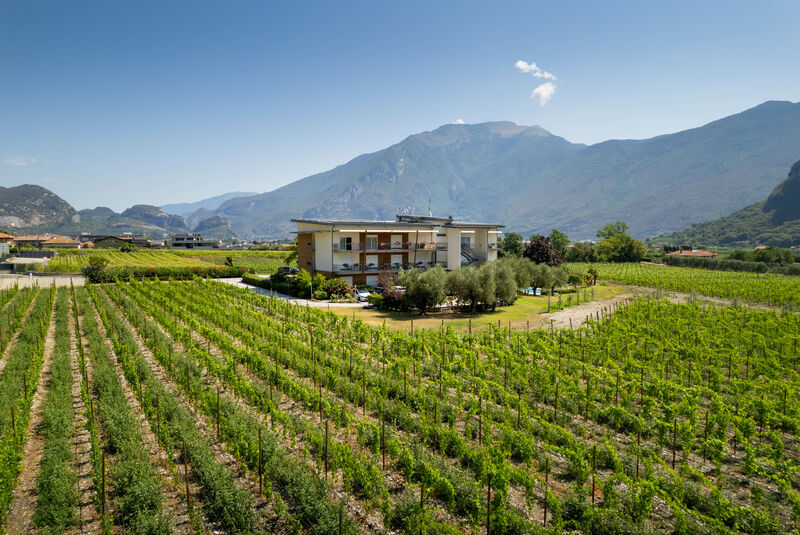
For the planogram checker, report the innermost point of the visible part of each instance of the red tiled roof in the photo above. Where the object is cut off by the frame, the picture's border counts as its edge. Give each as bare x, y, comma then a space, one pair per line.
694, 252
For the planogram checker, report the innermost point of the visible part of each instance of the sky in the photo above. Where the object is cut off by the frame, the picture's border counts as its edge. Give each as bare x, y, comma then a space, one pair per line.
112, 103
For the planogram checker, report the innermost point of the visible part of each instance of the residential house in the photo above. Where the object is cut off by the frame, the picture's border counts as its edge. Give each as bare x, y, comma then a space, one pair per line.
191, 241
61, 242
358, 251
112, 242
6, 238
694, 252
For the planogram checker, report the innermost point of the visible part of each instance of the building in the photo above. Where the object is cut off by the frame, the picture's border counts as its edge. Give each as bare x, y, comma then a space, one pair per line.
33, 240
358, 250
111, 242
694, 252
6, 238
191, 241
61, 242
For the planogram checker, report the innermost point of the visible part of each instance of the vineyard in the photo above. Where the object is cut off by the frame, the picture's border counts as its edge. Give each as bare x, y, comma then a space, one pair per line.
206, 408
252, 261
778, 290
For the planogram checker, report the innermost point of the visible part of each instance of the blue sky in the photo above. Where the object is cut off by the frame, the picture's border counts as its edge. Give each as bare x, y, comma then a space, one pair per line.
115, 103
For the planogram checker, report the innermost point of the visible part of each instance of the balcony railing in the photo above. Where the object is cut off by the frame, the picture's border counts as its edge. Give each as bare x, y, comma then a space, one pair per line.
375, 268
348, 248
396, 246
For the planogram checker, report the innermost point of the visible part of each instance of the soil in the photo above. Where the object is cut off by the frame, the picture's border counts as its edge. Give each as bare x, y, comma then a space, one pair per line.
24, 499
88, 517
174, 496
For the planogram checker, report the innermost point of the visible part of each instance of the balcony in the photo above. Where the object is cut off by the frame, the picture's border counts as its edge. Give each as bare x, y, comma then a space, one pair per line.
349, 248
349, 269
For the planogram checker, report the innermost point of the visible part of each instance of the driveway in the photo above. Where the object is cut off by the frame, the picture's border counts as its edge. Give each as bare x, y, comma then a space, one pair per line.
237, 281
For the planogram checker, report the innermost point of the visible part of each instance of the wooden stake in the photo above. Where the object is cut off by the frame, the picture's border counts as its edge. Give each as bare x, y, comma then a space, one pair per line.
103, 482
186, 476
260, 464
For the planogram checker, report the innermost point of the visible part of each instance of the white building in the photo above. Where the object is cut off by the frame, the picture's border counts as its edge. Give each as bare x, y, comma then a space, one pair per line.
358, 250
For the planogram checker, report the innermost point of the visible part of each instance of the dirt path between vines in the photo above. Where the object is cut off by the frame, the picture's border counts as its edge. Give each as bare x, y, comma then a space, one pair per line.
262, 507
24, 499
13, 339
174, 498
88, 517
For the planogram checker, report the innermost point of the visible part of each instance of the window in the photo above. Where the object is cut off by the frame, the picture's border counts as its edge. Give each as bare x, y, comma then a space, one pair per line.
372, 242
466, 242
345, 244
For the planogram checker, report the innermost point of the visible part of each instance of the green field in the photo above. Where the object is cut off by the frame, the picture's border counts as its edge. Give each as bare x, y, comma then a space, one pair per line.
253, 261
752, 287
525, 312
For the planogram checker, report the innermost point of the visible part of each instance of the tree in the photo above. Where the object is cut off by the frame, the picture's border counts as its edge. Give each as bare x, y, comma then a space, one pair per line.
559, 241
465, 284
511, 245
581, 252
541, 251
128, 248
611, 229
621, 247
95, 269
424, 289
506, 287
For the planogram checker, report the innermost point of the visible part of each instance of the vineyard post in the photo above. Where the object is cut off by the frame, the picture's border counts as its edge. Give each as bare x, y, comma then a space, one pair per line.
186, 476
638, 438
546, 486
383, 437
616, 391
555, 407
412, 327
594, 463
674, 432
519, 406
705, 436
488, 503
326, 449
158, 417
103, 482
14, 424
217, 413
480, 420
783, 421
260, 463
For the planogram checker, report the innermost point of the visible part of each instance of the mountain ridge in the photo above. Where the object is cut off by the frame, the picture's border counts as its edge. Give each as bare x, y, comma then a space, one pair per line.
532, 180
771, 221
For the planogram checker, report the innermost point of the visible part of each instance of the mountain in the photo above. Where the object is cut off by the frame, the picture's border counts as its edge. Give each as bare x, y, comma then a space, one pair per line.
34, 209
773, 221
154, 216
533, 181
27, 207
184, 209
216, 227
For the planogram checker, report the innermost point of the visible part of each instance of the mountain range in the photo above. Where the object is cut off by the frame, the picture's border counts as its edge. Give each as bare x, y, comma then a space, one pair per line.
772, 221
533, 181
33, 209
521, 176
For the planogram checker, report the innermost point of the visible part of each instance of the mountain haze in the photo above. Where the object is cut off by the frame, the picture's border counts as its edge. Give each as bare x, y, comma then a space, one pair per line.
185, 209
533, 181
773, 221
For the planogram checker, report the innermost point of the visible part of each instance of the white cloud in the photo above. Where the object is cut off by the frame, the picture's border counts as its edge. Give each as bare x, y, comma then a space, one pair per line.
18, 161
459, 121
544, 92
534, 70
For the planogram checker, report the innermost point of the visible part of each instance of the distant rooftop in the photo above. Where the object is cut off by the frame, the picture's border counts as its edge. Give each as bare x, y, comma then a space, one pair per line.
403, 220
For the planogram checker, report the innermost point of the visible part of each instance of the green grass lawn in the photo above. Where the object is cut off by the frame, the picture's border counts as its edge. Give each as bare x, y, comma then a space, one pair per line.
526, 311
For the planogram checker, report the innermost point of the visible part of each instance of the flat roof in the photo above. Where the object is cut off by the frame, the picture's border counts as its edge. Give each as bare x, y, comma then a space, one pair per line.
403, 222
